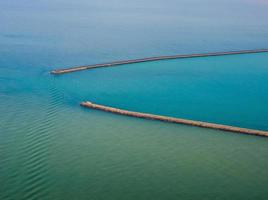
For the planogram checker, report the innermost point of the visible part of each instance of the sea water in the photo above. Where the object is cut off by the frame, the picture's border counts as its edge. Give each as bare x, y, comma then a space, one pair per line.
51, 148
230, 90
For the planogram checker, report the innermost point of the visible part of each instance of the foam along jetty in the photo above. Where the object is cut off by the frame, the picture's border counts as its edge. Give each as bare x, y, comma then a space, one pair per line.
79, 68
175, 120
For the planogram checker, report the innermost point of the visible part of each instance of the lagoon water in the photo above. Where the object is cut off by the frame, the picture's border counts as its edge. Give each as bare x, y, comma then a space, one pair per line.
229, 90
51, 148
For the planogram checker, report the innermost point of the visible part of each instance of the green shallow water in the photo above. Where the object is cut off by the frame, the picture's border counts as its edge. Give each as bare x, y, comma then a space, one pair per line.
51, 148
64, 152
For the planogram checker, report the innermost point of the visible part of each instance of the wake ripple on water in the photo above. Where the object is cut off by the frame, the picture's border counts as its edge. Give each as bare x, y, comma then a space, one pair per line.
34, 134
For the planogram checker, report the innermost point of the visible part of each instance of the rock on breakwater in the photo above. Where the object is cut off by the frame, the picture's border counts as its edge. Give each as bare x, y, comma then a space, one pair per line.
175, 120
116, 63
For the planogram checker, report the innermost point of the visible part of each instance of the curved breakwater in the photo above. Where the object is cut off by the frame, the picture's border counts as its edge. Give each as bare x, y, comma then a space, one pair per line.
79, 68
175, 120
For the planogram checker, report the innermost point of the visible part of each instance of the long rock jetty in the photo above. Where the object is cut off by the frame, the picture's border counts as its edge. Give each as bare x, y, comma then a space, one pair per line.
79, 68
175, 120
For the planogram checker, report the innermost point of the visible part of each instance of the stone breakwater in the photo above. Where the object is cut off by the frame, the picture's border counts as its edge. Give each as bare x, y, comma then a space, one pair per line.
175, 120
79, 68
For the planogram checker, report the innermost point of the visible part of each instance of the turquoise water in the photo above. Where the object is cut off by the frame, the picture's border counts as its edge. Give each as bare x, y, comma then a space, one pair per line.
229, 90
51, 148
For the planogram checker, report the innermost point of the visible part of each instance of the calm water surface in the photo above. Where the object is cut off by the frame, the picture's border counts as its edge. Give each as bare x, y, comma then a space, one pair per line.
51, 148
229, 90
